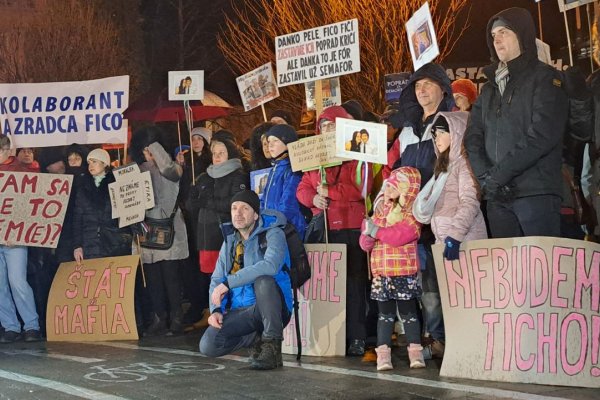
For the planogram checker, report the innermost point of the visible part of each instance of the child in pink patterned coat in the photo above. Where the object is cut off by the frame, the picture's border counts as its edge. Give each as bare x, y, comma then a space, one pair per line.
391, 236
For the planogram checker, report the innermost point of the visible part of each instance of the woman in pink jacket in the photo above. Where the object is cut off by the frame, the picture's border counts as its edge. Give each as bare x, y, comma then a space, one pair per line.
450, 200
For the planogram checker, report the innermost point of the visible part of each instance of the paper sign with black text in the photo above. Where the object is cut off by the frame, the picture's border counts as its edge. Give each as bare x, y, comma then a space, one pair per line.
318, 53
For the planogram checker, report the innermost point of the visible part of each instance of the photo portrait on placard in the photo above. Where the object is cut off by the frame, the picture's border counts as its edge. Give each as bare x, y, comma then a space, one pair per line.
330, 91
421, 37
360, 140
186, 85
258, 181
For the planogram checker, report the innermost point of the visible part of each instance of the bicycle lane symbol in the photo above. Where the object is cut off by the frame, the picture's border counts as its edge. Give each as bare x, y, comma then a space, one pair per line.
140, 371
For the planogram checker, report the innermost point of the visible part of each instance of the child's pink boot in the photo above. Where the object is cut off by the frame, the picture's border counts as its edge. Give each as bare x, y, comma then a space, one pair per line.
384, 358
415, 355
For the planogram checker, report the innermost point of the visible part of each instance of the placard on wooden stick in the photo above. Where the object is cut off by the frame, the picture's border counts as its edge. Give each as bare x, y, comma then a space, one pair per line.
361, 140
257, 87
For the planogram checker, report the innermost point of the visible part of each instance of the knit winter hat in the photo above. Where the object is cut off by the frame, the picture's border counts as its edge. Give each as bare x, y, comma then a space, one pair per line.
232, 148
99, 155
204, 132
465, 87
249, 197
501, 22
286, 133
223, 134
285, 115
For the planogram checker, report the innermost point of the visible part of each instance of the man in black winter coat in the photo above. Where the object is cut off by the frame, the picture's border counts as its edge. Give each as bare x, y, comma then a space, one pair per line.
514, 137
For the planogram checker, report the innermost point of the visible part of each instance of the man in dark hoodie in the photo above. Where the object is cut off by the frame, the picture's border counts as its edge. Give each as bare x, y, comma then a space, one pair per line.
514, 137
427, 92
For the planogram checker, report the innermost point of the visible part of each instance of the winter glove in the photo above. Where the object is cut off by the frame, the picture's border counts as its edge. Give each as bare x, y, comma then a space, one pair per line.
451, 250
505, 194
369, 228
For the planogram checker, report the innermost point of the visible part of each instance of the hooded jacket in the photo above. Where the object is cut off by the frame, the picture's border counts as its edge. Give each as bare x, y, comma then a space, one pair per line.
395, 247
280, 194
457, 212
345, 185
414, 147
257, 262
516, 138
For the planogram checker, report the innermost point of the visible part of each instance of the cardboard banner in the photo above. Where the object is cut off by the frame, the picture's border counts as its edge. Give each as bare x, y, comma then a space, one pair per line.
421, 37
394, 83
318, 53
94, 301
522, 310
331, 93
257, 87
186, 85
313, 152
33, 207
360, 140
131, 194
62, 113
322, 309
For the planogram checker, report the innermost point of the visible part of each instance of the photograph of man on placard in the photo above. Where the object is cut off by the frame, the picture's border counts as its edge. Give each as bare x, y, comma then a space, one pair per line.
421, 37
565, 5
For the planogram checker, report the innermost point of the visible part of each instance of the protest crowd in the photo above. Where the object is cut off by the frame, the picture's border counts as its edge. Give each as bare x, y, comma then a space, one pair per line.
510, 161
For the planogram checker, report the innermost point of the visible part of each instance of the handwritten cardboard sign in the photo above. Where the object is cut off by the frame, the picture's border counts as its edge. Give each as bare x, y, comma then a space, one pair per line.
322, 309
313, 152
257, 87
94, 301
522, 310
32, 207
318, 53
131, 194
61, 113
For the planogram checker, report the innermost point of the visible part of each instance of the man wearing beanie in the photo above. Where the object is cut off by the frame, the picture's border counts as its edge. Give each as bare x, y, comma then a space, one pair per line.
282, 183
251, 284
514, 137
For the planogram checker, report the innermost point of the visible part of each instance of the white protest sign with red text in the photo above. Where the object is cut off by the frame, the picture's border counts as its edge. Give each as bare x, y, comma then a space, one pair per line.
93, 301
522, 310
322, 309
32, 207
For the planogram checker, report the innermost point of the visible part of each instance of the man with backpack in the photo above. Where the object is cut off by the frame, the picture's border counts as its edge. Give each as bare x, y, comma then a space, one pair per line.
250, 291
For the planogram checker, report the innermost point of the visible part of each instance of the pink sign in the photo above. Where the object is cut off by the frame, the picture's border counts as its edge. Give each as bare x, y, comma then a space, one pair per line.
522, 310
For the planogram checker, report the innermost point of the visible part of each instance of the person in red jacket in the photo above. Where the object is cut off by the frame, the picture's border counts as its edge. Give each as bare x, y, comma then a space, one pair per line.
342, 195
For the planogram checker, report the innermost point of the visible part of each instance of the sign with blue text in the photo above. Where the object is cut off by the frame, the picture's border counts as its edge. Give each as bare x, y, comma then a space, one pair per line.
62, 113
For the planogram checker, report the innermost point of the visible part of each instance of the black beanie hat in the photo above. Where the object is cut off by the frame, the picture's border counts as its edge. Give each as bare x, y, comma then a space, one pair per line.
232, 148
223, 134
440, 123
249, 197
286, 133
49, 156
285, 115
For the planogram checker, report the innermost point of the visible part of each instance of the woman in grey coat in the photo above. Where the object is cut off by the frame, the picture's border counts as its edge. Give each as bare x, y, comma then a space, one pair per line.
162, 266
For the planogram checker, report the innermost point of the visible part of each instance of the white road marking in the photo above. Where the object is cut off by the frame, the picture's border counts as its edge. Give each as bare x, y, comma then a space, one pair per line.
486, 391
41, 353
59, 386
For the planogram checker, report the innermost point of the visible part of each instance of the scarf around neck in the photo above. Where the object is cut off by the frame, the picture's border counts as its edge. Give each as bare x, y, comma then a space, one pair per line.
223, 169
427, 198
98, 179
502, 76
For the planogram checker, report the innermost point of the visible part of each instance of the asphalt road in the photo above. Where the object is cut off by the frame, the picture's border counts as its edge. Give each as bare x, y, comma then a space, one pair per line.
172, 368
